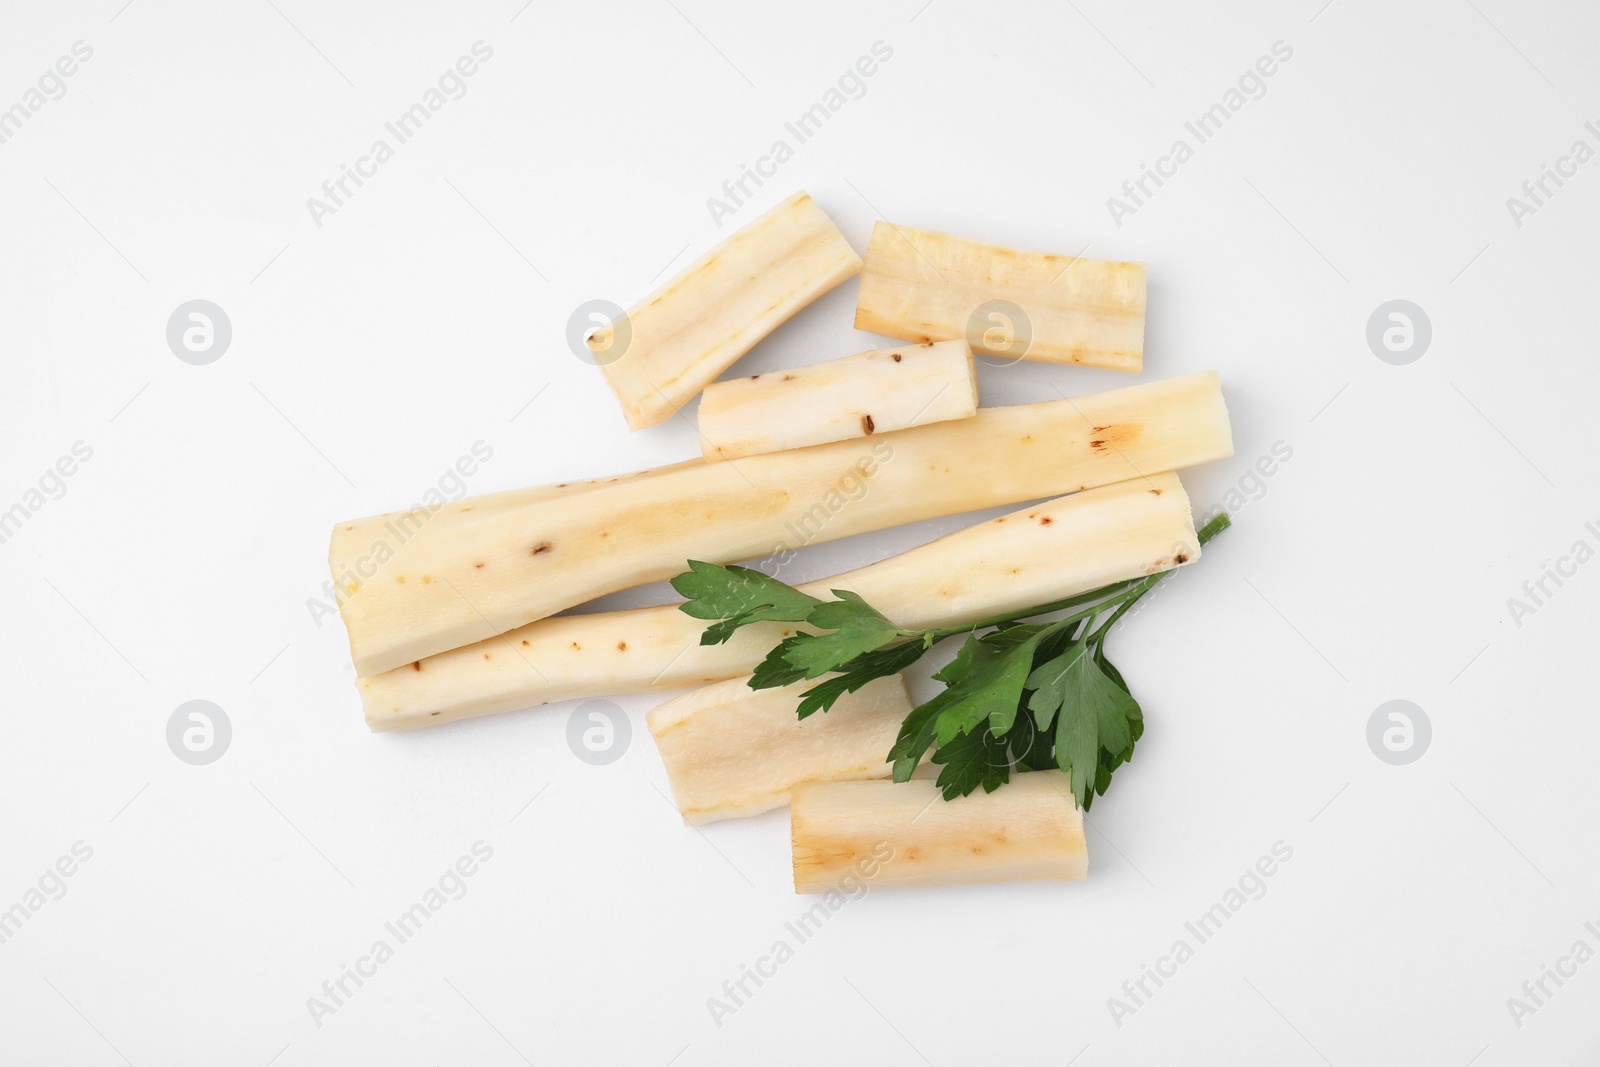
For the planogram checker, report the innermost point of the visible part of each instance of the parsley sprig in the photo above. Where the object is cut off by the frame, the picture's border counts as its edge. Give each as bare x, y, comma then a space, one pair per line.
1029, 695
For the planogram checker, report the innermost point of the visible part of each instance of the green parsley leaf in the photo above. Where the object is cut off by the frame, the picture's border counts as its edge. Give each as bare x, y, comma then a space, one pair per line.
737, 596
719, 632
917, 734
1092, 714
991, 687
857, 628
959, 667
1017, 633
972, 759
1105, 665
775, 670
858, 672
1034, 748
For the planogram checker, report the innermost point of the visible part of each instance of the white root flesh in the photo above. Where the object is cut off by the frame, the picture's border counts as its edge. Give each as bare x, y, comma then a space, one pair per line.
920, 285
879, 391
677, 340
903, 834
362, 549
732, 751
1042, 553
463, 578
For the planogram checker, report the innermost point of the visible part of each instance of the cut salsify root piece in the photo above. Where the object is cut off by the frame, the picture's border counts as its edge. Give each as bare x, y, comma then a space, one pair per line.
1041, 553
921, 285
902, 834
461, 578
676, 341
870, 392
360, 548
732, 751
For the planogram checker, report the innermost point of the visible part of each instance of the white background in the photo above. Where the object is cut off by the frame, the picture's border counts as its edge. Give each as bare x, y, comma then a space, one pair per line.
429, 313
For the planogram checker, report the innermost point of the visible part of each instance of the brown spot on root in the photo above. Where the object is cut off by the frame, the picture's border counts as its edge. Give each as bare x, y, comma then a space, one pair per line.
753, 377
1154, 492
526, 642
416, 665
479, 566
622, 646
1180, 558
561, 485
896, 357
1112, 436
464, 511
867, 424
542, 546
1045, 520
348, 528
487, 656
604, 534
788, 377
577, 647
426, 580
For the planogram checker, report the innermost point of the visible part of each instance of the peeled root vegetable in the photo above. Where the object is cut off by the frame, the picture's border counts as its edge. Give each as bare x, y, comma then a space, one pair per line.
732, 751
360, 548
461, 579
921, 285
683, 335
1028, 830
872, 392
1056, 549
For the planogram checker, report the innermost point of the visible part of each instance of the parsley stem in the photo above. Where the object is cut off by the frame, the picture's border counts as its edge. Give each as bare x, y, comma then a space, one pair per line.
1041, 609
1124, 594
1218, 523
